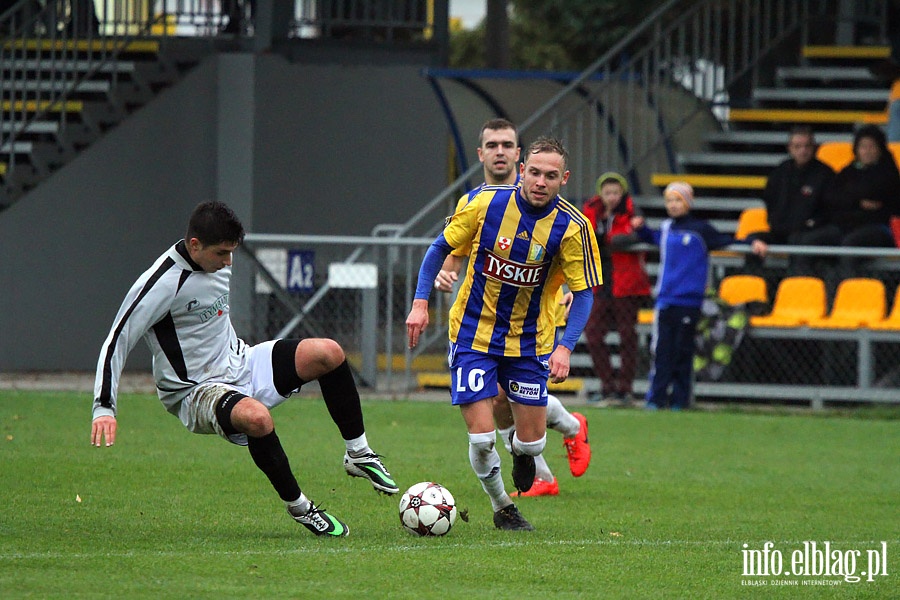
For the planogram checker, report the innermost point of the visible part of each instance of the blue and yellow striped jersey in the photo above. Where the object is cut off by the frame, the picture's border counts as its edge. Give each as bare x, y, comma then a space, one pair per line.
520, 257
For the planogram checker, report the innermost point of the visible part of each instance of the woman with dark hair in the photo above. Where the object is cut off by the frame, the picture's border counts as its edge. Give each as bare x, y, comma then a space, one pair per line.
865, 195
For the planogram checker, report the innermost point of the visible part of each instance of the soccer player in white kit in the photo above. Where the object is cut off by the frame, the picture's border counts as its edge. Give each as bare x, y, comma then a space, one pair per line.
213, 381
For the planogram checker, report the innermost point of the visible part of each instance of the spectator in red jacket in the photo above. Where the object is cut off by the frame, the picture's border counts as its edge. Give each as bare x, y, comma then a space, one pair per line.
625, 288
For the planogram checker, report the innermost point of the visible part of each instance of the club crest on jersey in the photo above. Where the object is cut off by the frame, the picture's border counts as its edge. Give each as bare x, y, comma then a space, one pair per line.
504, 243
512, 272
536, 252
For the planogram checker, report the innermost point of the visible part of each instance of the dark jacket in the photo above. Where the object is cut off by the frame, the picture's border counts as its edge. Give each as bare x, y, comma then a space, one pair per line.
795, 199
880, 182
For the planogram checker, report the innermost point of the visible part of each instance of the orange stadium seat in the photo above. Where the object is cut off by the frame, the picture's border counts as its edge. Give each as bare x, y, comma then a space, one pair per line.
859, 302
798, 300
836, 155
752, 220
892, 322
741, 289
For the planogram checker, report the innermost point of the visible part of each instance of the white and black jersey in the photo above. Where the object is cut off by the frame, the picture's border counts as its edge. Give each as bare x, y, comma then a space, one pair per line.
182, 312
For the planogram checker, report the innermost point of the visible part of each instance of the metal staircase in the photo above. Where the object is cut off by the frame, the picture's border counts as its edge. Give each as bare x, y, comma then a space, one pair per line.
61, 90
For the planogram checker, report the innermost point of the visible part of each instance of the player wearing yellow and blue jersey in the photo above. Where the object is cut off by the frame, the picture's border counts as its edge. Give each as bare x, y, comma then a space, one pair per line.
498, 152
525, 243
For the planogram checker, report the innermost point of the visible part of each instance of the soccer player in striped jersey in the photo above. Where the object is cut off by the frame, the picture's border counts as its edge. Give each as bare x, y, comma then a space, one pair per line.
498, 151
525, 243
215, 383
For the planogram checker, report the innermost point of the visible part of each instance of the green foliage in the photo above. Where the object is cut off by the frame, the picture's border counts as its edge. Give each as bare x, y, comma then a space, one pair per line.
555, 35
662, 512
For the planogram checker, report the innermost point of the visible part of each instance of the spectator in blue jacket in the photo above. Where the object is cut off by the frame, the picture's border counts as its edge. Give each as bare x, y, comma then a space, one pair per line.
684, 242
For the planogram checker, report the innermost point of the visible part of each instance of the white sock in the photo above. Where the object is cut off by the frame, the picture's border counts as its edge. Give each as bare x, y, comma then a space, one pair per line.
300, 506
486, 463
559, 419
530, 448
358, 446
541, 469
504, 435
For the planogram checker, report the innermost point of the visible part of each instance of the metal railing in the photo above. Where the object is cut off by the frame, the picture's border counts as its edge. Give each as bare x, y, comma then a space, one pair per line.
368, 300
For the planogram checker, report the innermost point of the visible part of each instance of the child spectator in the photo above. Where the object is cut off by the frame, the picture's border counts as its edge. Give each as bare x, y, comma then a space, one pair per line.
625, 286
684, 242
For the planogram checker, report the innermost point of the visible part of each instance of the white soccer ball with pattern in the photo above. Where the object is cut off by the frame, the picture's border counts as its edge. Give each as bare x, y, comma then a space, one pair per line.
427, 508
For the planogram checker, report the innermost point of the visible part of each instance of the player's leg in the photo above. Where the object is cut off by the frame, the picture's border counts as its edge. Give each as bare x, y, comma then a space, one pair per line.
574, 429
545, 483
472, 376
236, 413
323, 360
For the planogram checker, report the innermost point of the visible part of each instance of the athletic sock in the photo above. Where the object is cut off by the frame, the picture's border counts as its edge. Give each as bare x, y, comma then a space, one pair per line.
559, 419
342, 399
541, 469
357, 446
486, 463
504, 436
300, 506
269, 456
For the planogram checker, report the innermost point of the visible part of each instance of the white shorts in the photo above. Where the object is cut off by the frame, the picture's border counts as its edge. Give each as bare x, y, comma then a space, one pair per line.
198, 409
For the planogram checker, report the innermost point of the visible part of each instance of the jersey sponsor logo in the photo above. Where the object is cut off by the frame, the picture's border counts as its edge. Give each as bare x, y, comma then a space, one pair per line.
192, 304
512, 272
504, 243
217, 309
523, 235
530, 391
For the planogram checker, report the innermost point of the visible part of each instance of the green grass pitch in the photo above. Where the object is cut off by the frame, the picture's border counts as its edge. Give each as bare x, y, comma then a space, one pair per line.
664, 511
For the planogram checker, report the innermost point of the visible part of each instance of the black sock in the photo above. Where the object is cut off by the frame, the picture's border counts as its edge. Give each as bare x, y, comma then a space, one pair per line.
342, 399
269, 456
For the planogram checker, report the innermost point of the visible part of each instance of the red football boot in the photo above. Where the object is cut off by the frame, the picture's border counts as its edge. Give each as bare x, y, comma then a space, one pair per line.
578, 448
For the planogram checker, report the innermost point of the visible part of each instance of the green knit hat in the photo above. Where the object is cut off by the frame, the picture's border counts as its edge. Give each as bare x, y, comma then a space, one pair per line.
612, 176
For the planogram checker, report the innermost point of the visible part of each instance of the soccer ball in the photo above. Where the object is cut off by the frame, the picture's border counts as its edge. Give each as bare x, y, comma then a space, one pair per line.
427, 508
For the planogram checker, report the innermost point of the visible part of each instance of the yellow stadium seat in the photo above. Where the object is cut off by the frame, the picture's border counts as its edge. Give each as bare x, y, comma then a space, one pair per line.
859, 302
740, 289
798, 300
836, 155
894, 147
892, 322
752, 220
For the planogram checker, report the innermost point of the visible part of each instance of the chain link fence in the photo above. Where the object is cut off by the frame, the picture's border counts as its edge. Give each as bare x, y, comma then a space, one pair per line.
358, 291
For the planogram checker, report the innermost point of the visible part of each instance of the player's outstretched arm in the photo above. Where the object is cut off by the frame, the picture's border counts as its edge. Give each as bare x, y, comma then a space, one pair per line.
103, 428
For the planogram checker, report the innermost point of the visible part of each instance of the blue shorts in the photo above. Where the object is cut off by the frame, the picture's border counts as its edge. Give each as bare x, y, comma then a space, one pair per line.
475, 375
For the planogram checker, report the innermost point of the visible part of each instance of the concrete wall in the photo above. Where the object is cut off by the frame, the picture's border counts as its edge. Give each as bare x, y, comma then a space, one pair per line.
293, 148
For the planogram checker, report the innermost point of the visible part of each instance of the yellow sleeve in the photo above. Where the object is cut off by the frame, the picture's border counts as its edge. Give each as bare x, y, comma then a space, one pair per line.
461, 204
462, 227
580, 257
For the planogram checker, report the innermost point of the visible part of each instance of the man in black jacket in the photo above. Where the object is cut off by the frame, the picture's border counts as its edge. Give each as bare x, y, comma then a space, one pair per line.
794, 197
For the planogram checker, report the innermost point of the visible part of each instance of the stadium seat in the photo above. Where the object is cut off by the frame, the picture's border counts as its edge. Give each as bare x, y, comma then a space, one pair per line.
859, 302
836, 155
797, 301
741, 289
892, 322
895, 150
752, 220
